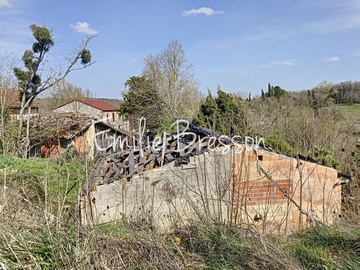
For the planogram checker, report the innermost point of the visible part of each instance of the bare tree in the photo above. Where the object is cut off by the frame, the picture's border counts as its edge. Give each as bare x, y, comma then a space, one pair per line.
173, 79
62, 93
7, 81
31, 80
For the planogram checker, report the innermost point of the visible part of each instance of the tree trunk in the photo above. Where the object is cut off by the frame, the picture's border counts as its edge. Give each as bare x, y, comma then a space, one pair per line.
21, 115
27, 143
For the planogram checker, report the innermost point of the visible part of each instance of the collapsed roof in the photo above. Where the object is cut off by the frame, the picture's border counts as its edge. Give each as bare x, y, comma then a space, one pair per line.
55, 125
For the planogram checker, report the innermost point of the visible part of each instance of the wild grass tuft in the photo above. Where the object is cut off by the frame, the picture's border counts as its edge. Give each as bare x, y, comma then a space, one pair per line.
323, 247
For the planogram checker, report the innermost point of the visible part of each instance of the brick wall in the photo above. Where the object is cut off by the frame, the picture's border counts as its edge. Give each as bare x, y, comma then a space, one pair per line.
277, 207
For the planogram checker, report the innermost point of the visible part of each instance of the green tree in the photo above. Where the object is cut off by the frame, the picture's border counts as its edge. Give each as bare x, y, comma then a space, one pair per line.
262, 94
324, 94
225, 113
270, 92
208, 114
30, 81
276, 92
279, 92
277, 141
325, 156
140, 99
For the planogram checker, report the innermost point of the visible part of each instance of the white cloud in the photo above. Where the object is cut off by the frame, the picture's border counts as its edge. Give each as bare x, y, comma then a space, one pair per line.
83, 27
332, 59
203, 10
5, 3
288, 63
279, 63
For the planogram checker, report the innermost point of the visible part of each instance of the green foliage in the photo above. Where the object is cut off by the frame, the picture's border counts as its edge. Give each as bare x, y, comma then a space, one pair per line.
270, 92
85, 56
262, 94
276, 92
29, 80
325, 156
141, 100
322, 95
23, 77
277, 141
323, 247
44, 40
208, 114
224, 113
31, 174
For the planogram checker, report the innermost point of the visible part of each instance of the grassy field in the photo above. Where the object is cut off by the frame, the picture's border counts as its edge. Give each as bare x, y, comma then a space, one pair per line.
353, 109
353, 112
39, 231
56, 176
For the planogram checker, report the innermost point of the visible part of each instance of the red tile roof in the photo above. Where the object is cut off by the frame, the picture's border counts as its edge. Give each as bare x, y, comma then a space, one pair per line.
99, 104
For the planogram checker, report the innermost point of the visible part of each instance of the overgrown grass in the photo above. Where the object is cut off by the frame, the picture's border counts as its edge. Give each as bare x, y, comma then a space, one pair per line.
56, 176
38, 236
121, 246
325, 248
354, 108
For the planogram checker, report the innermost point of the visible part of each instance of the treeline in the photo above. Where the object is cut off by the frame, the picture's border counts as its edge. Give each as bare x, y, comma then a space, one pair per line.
307, 122
347, 92
341, 93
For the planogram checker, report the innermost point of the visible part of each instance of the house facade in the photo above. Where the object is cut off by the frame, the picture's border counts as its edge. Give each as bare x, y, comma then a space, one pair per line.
11, 100
97, 109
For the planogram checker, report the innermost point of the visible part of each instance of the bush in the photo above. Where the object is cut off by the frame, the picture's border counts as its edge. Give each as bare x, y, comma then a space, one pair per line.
325, 156
278, 142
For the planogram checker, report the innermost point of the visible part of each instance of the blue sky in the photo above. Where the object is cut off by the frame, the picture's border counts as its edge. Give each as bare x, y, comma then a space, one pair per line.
240, 45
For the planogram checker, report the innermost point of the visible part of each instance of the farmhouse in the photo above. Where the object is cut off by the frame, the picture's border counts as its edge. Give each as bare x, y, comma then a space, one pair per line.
11, 100
96, 109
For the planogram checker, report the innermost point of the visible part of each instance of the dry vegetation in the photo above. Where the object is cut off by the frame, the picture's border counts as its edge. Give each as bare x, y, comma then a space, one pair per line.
39, 230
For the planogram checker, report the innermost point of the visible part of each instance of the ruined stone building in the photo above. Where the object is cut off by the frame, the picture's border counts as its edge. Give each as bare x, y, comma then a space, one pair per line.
74, 126
237, 184
57, 133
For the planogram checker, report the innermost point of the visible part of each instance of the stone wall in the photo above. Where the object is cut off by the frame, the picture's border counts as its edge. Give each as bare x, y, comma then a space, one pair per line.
78, 107
166, 196
223, 188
